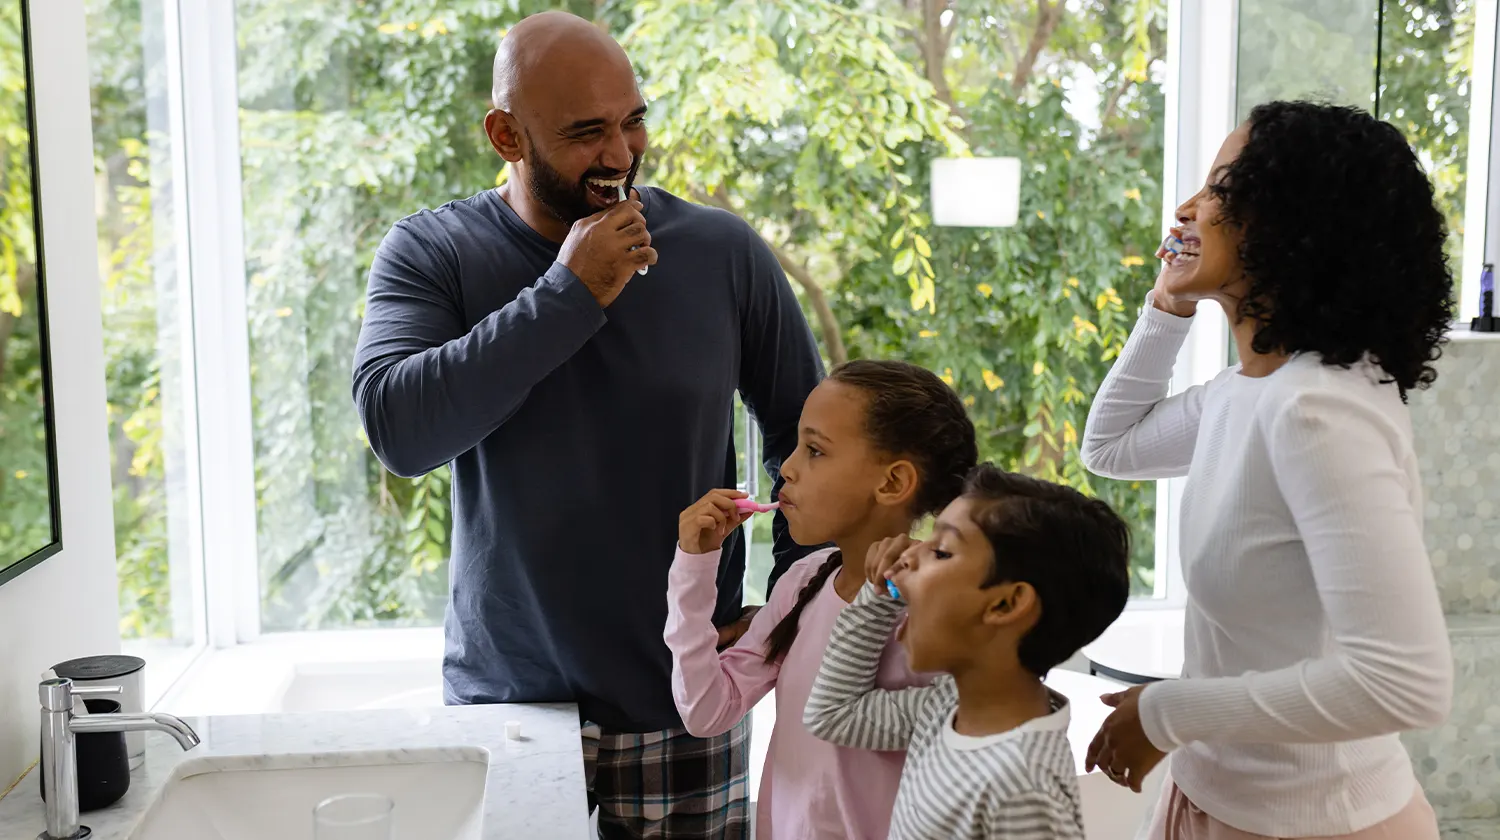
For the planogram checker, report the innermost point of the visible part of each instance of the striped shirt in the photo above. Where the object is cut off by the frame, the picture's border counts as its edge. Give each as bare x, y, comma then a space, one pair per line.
1017, 785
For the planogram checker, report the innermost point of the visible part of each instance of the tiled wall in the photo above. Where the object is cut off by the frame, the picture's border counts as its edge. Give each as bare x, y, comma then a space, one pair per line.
1457, 425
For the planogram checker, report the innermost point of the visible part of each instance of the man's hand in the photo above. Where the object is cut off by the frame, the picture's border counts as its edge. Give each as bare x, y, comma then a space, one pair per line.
598, 249
731, 633
704, 526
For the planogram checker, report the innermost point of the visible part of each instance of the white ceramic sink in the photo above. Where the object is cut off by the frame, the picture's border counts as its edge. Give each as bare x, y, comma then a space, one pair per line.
438, 794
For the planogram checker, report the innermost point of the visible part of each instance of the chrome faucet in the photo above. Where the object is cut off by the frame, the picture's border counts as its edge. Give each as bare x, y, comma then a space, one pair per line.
60, 725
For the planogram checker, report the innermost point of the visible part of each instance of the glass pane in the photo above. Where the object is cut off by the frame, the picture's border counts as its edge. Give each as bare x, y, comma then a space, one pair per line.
758, 558
348, 122
1427, 51
1294, 49
351, 120
147, 325
28, 514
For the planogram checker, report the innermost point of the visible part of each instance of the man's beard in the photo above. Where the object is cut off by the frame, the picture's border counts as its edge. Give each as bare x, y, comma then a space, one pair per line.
566, 200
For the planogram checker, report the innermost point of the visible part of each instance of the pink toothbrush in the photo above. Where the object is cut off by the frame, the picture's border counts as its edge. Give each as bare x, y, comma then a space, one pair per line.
752, 506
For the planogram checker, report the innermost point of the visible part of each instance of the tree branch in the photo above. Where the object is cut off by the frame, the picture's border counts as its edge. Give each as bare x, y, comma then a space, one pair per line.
1113, 104
1048, 15
833, 337
817, 298
933, 45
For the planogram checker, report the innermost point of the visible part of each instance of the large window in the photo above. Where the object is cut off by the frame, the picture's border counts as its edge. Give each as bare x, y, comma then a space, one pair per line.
148, 335
354, 117
1408, 61
817, 123
1290, 49
351, 117
1411, 62
1426, 83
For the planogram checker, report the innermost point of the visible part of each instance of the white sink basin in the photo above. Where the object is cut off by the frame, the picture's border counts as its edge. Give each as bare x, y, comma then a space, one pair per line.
438, 794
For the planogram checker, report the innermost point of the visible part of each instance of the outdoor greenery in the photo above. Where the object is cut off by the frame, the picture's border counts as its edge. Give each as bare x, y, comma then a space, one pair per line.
1427, 55
25, 494
1329, 50
816, 120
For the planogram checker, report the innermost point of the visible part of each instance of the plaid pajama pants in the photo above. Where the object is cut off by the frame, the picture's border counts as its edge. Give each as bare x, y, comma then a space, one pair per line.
669, 785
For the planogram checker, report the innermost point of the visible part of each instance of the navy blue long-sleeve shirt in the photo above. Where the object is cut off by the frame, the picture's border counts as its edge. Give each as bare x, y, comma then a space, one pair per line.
576, 435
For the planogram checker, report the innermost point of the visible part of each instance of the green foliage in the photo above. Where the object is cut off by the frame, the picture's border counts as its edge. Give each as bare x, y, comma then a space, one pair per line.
1292, 49
1427, 54
25, 497
815, 120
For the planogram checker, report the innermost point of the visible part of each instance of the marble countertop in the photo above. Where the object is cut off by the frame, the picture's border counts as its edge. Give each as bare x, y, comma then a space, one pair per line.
534, 786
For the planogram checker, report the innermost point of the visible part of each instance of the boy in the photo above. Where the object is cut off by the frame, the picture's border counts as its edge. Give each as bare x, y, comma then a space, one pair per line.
1017, 576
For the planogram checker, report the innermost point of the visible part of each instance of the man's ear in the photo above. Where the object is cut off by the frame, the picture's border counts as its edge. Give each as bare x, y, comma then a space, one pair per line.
504, 134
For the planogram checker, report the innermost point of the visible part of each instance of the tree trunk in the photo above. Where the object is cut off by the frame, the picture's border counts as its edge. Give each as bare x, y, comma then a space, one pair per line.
1048, 15
934, 48
1113, 104
833, 337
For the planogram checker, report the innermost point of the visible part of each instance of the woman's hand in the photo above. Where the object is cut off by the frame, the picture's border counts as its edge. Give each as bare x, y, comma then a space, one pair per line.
884, 555
1163, 299
703, 526
1121, 748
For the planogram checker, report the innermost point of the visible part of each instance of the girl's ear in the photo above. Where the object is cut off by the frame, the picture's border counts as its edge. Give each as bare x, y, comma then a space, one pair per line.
899, 484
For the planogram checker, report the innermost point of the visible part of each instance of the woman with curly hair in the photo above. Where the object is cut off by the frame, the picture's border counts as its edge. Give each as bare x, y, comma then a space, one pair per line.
1314, 630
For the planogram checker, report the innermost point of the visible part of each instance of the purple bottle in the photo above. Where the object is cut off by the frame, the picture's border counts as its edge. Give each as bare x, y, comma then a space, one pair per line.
1486, 322
1487, 291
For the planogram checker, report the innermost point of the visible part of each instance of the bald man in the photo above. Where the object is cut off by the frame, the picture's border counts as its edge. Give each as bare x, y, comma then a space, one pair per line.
582, 406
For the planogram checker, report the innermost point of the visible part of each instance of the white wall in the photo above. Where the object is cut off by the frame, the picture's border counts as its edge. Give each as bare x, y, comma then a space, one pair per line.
66, 606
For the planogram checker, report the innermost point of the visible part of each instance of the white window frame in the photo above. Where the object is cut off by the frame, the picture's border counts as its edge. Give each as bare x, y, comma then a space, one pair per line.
1200, 89
210, 91
164, 672
1482, 204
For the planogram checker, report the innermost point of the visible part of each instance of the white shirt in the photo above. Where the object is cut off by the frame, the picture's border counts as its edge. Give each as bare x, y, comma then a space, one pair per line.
1314, 632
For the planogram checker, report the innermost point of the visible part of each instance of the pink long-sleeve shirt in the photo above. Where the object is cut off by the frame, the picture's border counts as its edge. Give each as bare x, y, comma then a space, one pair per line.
810, 789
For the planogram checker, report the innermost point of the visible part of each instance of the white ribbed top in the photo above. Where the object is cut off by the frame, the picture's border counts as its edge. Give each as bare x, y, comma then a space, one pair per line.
1314, 632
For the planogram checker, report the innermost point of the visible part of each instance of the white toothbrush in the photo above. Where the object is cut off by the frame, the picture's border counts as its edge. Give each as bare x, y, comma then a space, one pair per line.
642, 270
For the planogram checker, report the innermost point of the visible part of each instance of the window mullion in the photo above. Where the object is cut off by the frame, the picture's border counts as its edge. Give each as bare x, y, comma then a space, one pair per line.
216, 227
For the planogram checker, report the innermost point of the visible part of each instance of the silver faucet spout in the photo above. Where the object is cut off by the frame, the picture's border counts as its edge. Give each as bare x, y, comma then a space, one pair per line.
60, 725
186, 737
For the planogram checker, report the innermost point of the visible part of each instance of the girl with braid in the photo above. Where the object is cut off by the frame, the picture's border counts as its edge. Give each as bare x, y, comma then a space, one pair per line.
880, 446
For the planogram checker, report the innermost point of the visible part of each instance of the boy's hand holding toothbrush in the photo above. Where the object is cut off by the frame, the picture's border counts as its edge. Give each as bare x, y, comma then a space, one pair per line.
883, 559
607, 248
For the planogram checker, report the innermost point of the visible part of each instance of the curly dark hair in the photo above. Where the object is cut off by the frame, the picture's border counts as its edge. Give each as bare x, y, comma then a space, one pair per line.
909, 413
1343, 246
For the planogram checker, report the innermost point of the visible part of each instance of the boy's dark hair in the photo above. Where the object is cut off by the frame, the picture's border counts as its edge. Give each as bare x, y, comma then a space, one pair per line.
1073, 550
911, 414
